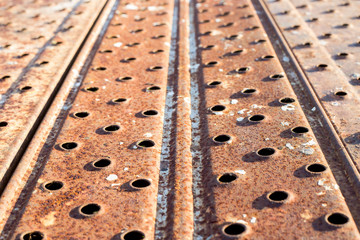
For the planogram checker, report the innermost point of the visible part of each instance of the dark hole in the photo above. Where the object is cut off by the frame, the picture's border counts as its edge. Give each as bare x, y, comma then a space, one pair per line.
276, 76
111, 128
338, 219
100, 68
300, 130
327, 35
207, 33
69, 145
232, 37
150, 113
133, 44
44, 62
106, 51
205, 21
209, 47
260, 41
140, 183
125, 78
3, 124
102, 163
222, 138
146, 143
314, 19
307, 44
345, 25
159, 36
54, 185
248, 16
90, 209
156, 68
25, 88
267, 57
237, 51
129, 59
287, 100
153, 88
257, 118
253, 27
235, 229
33, 236
214, 83
157, 51
243, 69
341, 93
278, 196
218, 108
81, 114
119, 100
316, 168
213, 63
322, 66
249, 91
134, 235
266, 152
92, 89
5, 77
227, 178
343, 54
243, 6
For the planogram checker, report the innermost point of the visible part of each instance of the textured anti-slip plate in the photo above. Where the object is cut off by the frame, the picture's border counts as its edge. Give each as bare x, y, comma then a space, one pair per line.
39, 40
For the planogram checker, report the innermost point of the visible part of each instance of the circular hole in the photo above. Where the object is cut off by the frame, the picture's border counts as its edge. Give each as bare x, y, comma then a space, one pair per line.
150, 113
159, 36
100, 68
341, 93
278, 196
207, 33
81, 114
69, 145
153, 88
129, 59
265, 152
237, 51
208, 47
313, 19
140, 183
119, 100
133, 44
25, 88
154, 68
53, 186
248, 16
124, 78
267, 57
145, 144
337, 219
222, 138
134, 235
105, 51
205, 21
234, 229
256, 118
307, 44
243, 69
157, 51
345, 25
300, 130
315, 168
214, 83
286, 100
91, 89
227, 178
218, 108
211, 64
253, 28
102, 163
36, 235
3, 124
111, 128
248, 91
322, 66
343, 54
260, 41
232, 37
90, 209
326, 35
276, 76
4, 77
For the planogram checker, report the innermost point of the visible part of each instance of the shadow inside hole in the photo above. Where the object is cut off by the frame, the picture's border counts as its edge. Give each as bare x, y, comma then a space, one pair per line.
320, 225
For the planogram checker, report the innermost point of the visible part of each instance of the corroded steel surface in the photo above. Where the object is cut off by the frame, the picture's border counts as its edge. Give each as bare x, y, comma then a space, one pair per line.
233, 183
332, 76
123, 93
41, 40
175, 121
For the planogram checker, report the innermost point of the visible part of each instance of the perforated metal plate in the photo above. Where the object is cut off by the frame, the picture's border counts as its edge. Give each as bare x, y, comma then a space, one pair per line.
40, 39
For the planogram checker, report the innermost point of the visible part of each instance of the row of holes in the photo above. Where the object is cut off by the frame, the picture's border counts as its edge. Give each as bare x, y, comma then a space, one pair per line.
276, 197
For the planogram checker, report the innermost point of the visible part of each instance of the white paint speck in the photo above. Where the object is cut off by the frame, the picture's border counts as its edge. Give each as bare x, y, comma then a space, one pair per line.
112, 177
240, 171
309, 143
313, 109
285, 123
288, 107
147, 135
307, 151
118, 44
242, 111
125, 169
239, 119
131, 7
234, 101
289, 146
286, 59
253, 220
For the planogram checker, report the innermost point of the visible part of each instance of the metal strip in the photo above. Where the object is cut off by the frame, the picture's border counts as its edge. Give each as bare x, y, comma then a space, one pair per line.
127, 204
247, 191
34, 78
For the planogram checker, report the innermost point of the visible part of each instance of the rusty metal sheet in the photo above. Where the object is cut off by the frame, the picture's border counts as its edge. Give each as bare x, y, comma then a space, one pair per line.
330, 76
40, 39
258, 171
97, 170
